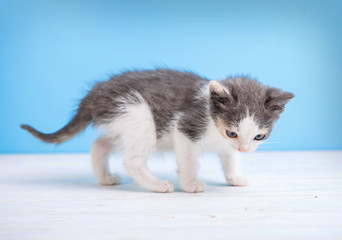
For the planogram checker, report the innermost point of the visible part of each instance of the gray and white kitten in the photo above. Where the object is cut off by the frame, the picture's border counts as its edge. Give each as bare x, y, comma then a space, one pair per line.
143, 111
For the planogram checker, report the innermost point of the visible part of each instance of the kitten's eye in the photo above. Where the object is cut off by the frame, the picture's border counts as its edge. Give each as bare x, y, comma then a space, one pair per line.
231, 134
259, 137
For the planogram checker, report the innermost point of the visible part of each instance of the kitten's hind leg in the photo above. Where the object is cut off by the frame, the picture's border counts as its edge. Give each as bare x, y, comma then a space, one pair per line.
138, 137
100, 153
138, 145
187, 160
135, 163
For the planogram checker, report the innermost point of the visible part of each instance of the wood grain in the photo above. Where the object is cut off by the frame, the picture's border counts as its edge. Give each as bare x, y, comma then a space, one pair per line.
294, 195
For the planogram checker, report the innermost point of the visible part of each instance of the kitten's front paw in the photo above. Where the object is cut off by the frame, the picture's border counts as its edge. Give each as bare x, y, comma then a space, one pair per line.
194, 186
238, 180
109, 180
164, 187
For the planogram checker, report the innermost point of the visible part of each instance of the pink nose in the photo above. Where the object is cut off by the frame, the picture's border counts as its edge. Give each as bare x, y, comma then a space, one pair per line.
243, 149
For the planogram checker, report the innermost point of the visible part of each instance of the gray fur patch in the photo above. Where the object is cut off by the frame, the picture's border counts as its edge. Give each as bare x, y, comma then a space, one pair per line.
169, 94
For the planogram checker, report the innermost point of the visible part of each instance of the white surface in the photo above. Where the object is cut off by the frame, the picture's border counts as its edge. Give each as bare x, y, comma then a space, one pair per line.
294, 195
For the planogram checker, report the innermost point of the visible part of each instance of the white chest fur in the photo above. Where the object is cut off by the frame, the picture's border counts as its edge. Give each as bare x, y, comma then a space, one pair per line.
210, 141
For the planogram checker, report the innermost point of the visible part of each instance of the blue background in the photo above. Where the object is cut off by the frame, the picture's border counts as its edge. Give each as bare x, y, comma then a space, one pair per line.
51, 51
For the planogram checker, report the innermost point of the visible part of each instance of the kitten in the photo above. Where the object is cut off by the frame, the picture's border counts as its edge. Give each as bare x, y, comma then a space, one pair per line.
142, 111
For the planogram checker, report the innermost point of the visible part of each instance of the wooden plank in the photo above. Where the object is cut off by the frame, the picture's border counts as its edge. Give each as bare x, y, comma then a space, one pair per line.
294, 195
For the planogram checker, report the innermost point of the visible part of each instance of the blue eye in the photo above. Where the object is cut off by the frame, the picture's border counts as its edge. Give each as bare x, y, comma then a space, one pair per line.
231, 134
259, 137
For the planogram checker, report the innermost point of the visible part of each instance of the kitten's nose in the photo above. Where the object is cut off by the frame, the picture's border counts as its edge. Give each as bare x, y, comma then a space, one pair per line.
243, 148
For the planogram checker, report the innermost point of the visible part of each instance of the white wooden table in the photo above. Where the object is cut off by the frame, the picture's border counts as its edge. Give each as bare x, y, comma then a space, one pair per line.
294, 195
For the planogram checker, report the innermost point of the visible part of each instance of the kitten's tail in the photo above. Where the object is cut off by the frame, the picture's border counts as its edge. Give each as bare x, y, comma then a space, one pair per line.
80, 121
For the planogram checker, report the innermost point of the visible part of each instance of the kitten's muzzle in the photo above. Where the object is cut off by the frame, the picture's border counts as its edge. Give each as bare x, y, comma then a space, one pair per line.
245, 148
241, 149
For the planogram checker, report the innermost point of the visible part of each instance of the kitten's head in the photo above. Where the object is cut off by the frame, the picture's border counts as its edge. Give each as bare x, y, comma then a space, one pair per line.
245, 111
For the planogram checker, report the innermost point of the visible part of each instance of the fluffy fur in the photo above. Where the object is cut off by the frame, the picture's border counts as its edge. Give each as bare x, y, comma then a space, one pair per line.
143, 111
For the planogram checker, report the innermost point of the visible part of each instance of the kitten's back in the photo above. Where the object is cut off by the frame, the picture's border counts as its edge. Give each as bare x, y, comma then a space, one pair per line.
167, 92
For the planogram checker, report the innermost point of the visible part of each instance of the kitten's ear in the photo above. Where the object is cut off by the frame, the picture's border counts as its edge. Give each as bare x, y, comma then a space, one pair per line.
276, 100
217, 87
220, 95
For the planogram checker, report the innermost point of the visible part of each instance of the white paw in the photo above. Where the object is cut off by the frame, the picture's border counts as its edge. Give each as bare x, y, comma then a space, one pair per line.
109, 180
238, 180
164, 187
193, 186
